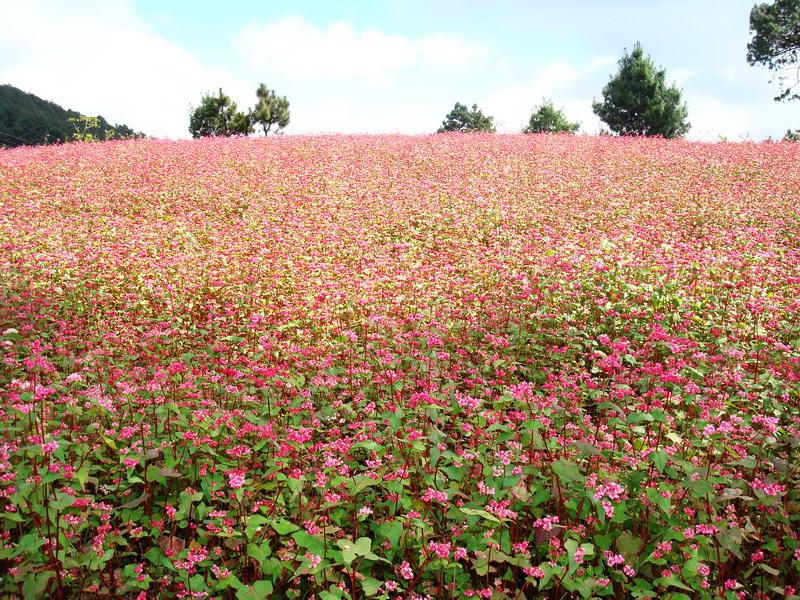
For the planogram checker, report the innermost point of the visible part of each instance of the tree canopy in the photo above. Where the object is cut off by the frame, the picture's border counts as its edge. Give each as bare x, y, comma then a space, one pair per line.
218, 115
637, 101
462, 118
776, 43
549, 119
270, 110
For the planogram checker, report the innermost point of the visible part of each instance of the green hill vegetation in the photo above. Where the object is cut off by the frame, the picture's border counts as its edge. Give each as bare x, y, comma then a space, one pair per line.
26, 119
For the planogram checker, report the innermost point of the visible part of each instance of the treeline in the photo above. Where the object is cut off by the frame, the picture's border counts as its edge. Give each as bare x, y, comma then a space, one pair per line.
27, 119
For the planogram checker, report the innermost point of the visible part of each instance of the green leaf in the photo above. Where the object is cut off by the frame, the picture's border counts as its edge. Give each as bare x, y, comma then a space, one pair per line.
480, 513
260, 552
363, 546
391, 530
258, 591
359, 483
82, 475
35, 584
629, 545
62, 501
639, 417
700, 487
348, 550
659, 458
309, 542
567, 471
768, 569
28, 543
672, 581
656, 498
283, 527
254, 522
371, 586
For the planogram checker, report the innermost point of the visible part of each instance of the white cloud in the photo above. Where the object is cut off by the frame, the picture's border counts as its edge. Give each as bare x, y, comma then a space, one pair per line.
511, 106
299, 48
99, 58
600, 62
679, 76
712, 118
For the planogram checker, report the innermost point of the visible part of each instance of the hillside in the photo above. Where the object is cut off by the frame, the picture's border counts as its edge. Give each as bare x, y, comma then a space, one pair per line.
26, 119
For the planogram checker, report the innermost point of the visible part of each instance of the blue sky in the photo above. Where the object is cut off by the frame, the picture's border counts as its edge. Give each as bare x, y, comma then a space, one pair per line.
384, 66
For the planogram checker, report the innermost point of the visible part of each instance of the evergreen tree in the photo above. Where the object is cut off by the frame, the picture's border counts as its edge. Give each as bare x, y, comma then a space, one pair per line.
776, 43
549, 119
637, 101
463, 119
218, 115
270, 110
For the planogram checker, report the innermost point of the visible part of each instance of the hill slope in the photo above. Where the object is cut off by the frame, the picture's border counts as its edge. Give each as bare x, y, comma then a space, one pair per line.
26, 119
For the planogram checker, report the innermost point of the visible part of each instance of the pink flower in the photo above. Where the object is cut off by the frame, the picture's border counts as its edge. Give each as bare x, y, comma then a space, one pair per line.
235, 478
313, 560
406, 572
432, 495
533, 572
49, 447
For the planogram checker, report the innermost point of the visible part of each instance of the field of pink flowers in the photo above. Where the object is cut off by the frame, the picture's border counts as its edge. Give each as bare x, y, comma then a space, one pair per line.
400, 367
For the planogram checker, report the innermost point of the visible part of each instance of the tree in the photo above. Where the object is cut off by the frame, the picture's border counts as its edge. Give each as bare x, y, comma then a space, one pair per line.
270, 110
636, 101
776, 43
463, 119
549, 119
217, 115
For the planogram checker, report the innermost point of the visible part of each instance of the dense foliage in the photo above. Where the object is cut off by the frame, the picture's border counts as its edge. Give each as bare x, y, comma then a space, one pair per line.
26, 119
637, 100
466, 119
776, 42
546, 118
400, 367
270, 110
218, 116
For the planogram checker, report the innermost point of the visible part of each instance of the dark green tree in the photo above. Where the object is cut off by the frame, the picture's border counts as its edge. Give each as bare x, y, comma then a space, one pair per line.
637, 101
462, 118
776, 43
218, 115
549, 119
270, 110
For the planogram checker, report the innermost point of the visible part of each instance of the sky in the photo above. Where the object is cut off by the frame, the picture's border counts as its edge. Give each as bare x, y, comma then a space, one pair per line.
384, 66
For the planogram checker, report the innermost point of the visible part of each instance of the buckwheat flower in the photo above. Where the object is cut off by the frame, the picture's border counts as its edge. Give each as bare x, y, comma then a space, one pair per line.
442, 550
49, 447
406, 572
432, 495
533, 572
614, 560
629, 570
364, 511
236, 478
313, 560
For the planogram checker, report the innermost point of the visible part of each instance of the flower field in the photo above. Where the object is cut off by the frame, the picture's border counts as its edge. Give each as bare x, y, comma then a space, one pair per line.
454, 366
